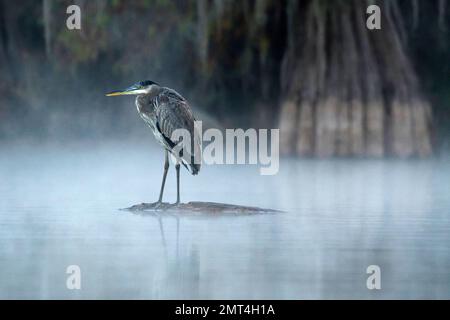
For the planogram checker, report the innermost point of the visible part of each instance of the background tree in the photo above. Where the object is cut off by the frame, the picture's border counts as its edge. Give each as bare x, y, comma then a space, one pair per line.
349, 90
310, 67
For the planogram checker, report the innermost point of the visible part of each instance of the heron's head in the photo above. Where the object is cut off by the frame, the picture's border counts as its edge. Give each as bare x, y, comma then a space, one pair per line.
140, 88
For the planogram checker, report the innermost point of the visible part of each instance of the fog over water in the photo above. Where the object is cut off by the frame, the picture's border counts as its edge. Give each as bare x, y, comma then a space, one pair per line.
59, 207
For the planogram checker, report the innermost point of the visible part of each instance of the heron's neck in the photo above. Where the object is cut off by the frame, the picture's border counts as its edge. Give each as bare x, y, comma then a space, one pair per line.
144, 102
152, 93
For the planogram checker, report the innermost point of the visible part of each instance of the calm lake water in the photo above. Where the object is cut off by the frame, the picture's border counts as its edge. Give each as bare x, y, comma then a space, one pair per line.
58, 207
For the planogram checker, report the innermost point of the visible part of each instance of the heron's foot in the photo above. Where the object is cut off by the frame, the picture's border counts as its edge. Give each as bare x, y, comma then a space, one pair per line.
157, 205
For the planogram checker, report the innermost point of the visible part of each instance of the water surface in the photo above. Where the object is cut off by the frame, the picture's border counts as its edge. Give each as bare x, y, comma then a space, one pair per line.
58, 207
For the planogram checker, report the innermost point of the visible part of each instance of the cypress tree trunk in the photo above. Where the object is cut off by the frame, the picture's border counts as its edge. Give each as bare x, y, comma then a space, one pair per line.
47, 21
350, 91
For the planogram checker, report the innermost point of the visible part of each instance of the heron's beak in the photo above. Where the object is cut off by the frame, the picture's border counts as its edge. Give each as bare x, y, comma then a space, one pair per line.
133, 90
120, 93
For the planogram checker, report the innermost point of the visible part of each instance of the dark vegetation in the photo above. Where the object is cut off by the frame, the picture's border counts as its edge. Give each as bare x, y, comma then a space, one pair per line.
310, 67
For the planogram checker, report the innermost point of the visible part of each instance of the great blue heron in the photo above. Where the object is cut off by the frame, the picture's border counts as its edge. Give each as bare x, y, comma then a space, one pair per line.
164, 110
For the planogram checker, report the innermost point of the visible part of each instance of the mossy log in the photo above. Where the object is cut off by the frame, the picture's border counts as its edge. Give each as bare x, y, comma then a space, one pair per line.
198, 208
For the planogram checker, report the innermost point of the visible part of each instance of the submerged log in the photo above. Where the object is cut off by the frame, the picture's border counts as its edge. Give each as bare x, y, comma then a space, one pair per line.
196, 207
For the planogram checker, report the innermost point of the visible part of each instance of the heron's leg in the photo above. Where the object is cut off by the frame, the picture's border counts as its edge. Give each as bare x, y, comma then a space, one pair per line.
177, 167
166, 168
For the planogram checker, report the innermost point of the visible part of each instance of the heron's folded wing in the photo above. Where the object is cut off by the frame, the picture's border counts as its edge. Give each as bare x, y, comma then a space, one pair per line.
174, 113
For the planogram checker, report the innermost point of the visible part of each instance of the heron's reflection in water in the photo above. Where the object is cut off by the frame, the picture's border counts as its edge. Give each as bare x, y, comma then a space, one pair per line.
180, 277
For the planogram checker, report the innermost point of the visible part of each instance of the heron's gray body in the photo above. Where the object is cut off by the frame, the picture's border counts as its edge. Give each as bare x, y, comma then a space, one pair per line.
164, 110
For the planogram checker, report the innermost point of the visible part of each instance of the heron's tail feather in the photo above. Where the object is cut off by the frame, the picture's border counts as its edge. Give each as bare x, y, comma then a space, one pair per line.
195, 168
192, 167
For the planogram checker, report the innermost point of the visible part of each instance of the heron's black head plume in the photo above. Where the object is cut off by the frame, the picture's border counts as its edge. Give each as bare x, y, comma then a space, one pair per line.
146, 83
